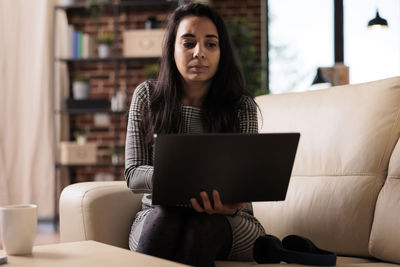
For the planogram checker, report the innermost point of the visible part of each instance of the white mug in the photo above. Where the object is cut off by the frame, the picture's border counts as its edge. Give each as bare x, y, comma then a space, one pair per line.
18, 224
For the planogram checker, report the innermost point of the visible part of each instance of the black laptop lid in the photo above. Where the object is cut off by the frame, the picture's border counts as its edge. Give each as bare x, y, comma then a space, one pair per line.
242, 167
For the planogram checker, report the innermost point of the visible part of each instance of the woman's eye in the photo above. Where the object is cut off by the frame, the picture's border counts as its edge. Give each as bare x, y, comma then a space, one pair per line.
188, 44
211, 44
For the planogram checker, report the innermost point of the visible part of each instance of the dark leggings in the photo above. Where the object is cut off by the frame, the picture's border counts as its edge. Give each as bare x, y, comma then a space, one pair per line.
186, 236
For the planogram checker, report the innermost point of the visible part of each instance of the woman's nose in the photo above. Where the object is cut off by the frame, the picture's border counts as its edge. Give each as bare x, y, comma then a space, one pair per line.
198, 52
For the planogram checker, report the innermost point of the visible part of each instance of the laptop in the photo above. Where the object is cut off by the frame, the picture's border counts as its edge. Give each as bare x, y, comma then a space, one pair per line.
242, 167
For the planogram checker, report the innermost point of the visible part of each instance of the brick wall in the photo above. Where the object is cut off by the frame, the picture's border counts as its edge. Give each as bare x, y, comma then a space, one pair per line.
248, 9
102, 76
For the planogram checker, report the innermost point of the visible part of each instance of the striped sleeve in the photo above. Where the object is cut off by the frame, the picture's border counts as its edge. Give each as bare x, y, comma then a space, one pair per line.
248, 115
138, 155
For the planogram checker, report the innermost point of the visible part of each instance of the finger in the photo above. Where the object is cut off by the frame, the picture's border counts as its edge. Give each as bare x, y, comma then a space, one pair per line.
206, 203
218, 206
237, 205
231, 209
196, 205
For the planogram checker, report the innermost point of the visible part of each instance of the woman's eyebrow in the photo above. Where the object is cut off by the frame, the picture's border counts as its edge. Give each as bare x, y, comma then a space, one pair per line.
211, 36
189, 35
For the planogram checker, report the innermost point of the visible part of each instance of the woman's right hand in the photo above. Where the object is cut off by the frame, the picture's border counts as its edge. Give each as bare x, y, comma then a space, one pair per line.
218, 208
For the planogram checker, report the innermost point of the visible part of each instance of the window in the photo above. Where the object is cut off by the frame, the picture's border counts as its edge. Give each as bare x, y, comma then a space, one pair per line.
371, 54
300, 41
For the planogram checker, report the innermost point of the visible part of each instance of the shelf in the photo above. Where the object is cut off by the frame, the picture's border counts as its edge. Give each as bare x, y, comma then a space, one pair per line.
85, 111
140, 60
117, 16
97, 164
135, 3
138, 5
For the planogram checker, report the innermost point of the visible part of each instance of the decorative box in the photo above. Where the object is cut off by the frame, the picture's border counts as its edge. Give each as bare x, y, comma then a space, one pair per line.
73, 153
143, 43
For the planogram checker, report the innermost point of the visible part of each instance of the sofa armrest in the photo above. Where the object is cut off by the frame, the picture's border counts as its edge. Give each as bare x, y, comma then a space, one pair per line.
100, 211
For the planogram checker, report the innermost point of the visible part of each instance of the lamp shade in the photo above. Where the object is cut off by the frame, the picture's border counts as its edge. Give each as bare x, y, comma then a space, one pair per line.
378, 21
319, 77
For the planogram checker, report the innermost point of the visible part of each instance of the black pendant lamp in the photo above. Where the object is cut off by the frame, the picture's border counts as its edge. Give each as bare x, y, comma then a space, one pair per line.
377, 21
319, 78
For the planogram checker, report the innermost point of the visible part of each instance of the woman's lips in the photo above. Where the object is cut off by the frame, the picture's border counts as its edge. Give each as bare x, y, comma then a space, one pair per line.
198, 68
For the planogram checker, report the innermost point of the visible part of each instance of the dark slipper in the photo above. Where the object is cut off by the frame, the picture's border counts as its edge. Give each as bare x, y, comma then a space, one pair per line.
296, 249
312, 254
268, 249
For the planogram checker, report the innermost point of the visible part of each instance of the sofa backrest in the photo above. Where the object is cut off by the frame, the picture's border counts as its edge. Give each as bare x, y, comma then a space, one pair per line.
348, 134
384, 243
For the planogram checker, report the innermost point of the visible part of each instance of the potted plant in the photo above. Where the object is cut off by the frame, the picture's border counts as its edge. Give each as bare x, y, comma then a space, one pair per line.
151, 71
116, 153
105, 41
81, 88
80, 136
243, 38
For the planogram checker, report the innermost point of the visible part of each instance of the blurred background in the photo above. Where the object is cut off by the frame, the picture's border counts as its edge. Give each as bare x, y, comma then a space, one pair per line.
68, 70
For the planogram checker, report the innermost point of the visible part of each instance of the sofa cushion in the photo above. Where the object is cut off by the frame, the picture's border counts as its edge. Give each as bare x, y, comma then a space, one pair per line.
385, 236
347, 136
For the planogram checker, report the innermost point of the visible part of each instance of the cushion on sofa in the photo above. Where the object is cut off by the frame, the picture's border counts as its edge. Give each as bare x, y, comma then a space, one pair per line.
385, 236
347, 136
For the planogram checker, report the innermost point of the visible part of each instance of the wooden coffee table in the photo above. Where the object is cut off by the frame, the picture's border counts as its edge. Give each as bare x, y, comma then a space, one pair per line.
85, 253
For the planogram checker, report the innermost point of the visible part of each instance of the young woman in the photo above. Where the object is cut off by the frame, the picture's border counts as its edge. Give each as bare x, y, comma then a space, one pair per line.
200, 89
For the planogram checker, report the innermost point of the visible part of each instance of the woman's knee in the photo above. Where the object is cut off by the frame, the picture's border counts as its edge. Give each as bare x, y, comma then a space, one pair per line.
163, 214
206, 222
209, 227
207, 237
160, 232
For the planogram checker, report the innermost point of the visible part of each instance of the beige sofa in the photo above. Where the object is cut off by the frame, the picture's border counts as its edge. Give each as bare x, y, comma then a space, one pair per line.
345, 188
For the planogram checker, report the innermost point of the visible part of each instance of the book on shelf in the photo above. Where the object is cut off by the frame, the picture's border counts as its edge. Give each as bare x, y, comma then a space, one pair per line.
70, 48
79, 44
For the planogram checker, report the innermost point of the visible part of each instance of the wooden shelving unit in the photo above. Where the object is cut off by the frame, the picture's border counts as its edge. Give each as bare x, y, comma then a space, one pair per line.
115, 62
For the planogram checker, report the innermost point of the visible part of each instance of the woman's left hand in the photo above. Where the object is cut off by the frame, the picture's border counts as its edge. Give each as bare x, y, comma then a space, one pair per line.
219, 208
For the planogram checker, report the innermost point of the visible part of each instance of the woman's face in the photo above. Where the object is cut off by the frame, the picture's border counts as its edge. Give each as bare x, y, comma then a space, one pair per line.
197, 50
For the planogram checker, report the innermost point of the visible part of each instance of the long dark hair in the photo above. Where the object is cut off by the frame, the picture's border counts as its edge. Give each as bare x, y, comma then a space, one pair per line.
220, 106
